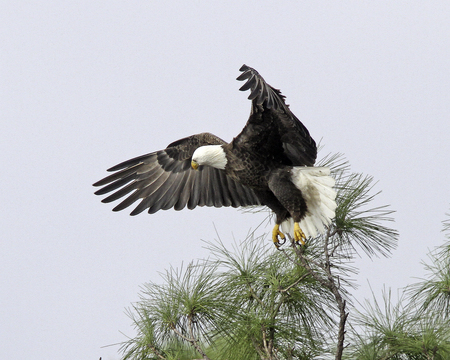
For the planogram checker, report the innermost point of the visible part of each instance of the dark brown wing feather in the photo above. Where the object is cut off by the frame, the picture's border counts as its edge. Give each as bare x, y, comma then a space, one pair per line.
272, 127
164, 179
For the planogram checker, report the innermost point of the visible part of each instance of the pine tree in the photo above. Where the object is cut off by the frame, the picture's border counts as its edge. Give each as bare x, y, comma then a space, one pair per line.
417, 327
255, 302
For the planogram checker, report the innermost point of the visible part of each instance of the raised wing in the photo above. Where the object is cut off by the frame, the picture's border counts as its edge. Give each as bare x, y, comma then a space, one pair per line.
164, 179
270, 114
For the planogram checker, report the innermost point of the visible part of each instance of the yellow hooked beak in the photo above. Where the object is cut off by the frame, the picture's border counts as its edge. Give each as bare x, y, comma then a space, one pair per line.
194, 165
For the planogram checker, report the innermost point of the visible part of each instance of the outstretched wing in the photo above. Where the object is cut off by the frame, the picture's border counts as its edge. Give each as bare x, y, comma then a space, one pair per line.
164, 179
270, 113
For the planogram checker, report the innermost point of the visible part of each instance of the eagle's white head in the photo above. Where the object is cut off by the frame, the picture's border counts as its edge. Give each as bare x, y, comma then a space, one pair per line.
211, 155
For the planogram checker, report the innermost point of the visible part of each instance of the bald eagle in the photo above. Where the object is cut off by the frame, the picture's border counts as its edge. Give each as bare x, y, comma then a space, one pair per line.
269, 163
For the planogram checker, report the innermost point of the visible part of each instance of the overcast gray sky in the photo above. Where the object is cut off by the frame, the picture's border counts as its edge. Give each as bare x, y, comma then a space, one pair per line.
87, 84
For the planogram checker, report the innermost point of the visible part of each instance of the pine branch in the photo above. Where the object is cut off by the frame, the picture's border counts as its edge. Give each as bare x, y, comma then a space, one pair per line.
256, 296
156, 352
331, 282
339, 300
191, 340
293, 284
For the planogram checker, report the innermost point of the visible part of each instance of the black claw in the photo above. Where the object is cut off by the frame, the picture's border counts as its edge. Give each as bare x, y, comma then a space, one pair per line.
278, 243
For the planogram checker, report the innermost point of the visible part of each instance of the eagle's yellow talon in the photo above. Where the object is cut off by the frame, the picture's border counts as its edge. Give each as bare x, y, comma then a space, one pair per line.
299, 235
275, 233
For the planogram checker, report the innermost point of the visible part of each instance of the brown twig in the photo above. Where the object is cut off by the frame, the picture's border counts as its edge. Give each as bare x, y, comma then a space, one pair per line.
156, 352
192, 339
340, 301
331, 282
293, 284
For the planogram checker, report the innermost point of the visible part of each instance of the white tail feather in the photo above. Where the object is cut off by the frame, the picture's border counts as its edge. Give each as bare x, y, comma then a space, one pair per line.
316, 186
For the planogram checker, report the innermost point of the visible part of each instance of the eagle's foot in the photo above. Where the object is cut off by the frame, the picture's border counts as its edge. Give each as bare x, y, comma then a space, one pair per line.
275, 233
299, 235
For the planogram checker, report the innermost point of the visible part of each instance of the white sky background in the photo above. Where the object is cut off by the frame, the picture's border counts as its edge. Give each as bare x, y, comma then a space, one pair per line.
87, 84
